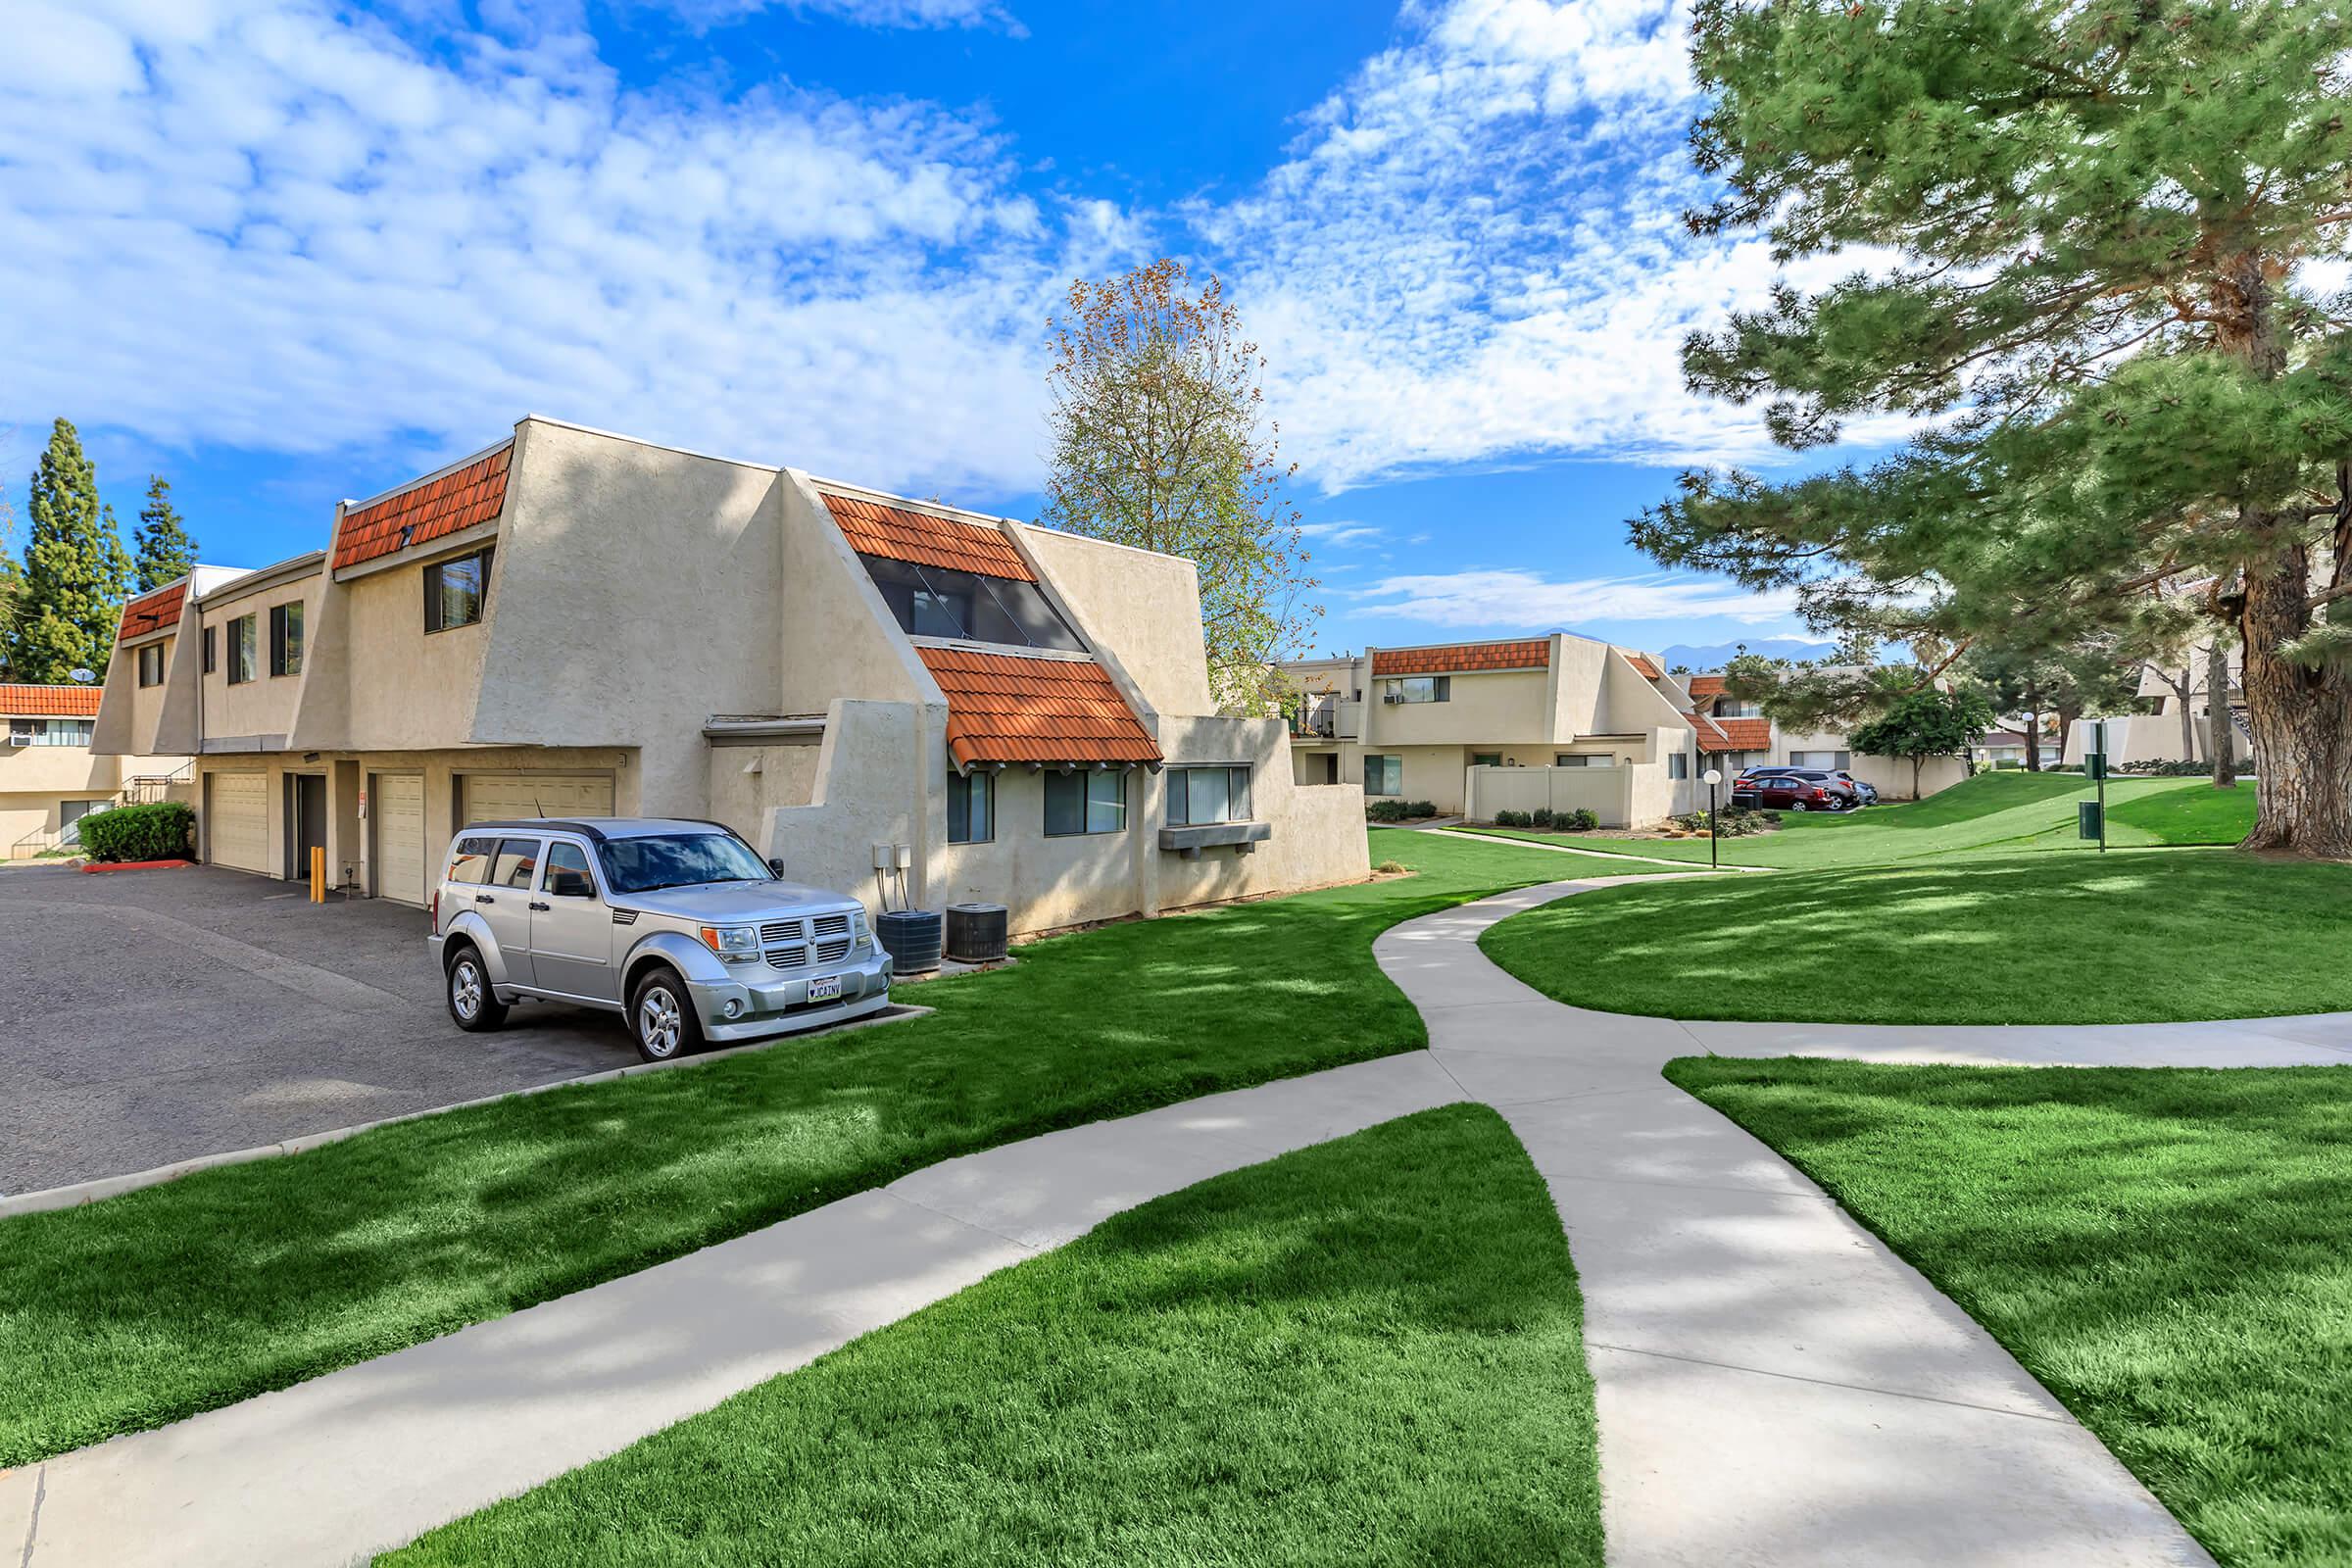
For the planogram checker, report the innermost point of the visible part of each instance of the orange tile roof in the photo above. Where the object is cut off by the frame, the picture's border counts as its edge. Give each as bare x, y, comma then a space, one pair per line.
1747, 734
1711, 737
1707, 686
1534, 653
1004, 707
458, 499
153, 612
48, 702
1642, 663
901, 533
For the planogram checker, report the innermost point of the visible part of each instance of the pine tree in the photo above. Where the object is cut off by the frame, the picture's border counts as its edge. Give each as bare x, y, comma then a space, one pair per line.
75, 569
166, 548
2100, 220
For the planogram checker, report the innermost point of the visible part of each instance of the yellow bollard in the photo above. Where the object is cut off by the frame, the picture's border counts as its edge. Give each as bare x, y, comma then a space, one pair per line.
317, 875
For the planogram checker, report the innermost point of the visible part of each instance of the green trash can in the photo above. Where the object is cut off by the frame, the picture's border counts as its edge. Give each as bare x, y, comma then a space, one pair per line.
2086, 821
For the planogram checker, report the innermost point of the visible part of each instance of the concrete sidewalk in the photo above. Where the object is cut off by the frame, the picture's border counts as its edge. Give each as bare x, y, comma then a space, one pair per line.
1775, 1385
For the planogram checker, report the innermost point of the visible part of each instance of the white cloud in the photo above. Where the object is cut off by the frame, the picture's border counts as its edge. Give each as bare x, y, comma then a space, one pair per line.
286, 233
862, 13
1338, 535
1476, 252
1519, 599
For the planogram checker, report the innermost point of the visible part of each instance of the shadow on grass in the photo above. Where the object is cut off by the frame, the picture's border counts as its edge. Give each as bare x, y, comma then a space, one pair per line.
1367, 1351
2163, 1248
154, 1306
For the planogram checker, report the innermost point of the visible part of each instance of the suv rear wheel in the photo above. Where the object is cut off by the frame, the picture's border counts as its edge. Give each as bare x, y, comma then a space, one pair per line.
471, 1001
662, 1016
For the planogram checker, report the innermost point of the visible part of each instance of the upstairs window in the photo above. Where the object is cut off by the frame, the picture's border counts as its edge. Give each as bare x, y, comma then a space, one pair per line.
210, 643
151, 664
51, 731
244, 644
455, 591
285, 639
968, 607
1418, 689
1200, 796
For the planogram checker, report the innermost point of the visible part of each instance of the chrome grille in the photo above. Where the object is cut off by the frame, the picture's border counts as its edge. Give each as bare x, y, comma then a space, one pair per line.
833, 951
832, 925
776, 931
791, 957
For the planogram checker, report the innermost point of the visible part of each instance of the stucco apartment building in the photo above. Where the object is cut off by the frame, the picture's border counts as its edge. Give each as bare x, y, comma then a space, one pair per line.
1560, 721
50, 775
576, 622
2155, 736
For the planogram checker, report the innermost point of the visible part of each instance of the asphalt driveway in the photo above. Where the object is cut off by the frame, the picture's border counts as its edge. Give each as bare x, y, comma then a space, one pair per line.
152, 1016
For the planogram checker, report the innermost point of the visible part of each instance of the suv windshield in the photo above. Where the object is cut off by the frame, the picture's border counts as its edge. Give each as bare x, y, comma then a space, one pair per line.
677, 860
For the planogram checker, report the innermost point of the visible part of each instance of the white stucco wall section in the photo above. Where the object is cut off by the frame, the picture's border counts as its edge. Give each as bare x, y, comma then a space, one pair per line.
1140, 610
632, 598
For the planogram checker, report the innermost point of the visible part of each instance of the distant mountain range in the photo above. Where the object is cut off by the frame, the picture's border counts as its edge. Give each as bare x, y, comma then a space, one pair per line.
1712, 658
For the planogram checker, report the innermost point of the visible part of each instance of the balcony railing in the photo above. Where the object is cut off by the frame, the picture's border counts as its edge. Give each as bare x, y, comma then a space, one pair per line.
1323, 716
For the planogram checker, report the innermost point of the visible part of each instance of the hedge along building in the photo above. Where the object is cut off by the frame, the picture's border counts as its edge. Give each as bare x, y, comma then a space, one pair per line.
575, 622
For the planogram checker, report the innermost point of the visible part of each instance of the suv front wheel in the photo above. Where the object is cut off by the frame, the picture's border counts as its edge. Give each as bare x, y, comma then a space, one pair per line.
662, 1016
471, 1003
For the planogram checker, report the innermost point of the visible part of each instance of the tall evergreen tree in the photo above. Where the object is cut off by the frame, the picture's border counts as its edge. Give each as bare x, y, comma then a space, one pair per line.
166, 548
2101, 218
75, 569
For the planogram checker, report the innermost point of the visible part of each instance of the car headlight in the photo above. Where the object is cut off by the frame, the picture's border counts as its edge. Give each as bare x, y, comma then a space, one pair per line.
735, 944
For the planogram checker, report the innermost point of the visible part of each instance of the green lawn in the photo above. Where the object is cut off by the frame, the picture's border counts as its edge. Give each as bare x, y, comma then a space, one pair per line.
1368, 1352
2126, 937
2164, 1248
154, 1306
1995, 813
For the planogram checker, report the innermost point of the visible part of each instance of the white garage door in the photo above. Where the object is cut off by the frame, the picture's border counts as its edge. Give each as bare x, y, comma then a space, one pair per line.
490, 796
238, 834
399, 808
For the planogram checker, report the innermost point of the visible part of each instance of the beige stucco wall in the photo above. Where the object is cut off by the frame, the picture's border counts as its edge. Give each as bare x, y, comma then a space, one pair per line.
834, 635
1479, 709
870, 789
747, 782
1318, 833
267, 704
130, 716
1140, 609
1605, 791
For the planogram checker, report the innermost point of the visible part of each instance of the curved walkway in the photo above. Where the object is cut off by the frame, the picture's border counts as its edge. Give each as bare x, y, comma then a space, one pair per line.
1774, 1387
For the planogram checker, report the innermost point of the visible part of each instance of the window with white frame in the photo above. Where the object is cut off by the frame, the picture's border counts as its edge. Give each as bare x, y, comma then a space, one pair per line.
1384, 776
1200, 796
51, 731
1583, 759
1092, 801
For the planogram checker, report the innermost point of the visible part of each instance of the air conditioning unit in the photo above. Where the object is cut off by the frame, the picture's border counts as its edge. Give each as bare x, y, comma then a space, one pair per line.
20, 740
1392, 698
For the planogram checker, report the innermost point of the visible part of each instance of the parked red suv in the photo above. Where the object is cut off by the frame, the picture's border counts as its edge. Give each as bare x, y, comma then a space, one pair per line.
1794, 789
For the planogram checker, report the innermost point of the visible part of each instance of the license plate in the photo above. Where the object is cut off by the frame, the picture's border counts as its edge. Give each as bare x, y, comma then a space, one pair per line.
826, 988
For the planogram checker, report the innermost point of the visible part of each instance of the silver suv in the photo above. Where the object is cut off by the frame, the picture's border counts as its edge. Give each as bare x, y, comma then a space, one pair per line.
678, 927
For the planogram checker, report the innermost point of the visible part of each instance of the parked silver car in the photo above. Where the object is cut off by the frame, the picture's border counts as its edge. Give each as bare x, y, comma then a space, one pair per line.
679, 926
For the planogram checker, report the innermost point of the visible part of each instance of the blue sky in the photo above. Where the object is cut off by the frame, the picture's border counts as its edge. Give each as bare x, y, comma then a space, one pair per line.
284, 252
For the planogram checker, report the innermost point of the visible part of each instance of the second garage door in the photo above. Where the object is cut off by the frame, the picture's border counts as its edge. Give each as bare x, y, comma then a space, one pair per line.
400, 837
490, 796
238, 834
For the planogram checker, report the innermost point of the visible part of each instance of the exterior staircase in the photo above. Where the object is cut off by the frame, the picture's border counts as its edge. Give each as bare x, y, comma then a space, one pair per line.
143, 789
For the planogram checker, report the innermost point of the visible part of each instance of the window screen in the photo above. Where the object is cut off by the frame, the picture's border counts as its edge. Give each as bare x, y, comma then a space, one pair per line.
971, 807
1085, 803
1199, 796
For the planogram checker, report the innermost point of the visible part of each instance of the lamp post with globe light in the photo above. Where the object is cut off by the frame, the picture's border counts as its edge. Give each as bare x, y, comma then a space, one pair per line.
1713, 776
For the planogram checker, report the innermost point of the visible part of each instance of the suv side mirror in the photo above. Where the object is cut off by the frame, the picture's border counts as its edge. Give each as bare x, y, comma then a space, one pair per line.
777, 866
570, 885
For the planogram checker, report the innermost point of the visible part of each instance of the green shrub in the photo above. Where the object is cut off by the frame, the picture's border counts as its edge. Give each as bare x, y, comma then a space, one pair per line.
1421, 808
1513, 819
1541, 817
1385, 810
161, 831
1580, 820
2245, 764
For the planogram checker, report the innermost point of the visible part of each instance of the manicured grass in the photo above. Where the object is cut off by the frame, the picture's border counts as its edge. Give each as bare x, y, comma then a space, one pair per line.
154, 1306
1992, 813
2127, 937
2164, 1248
1364, 1352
